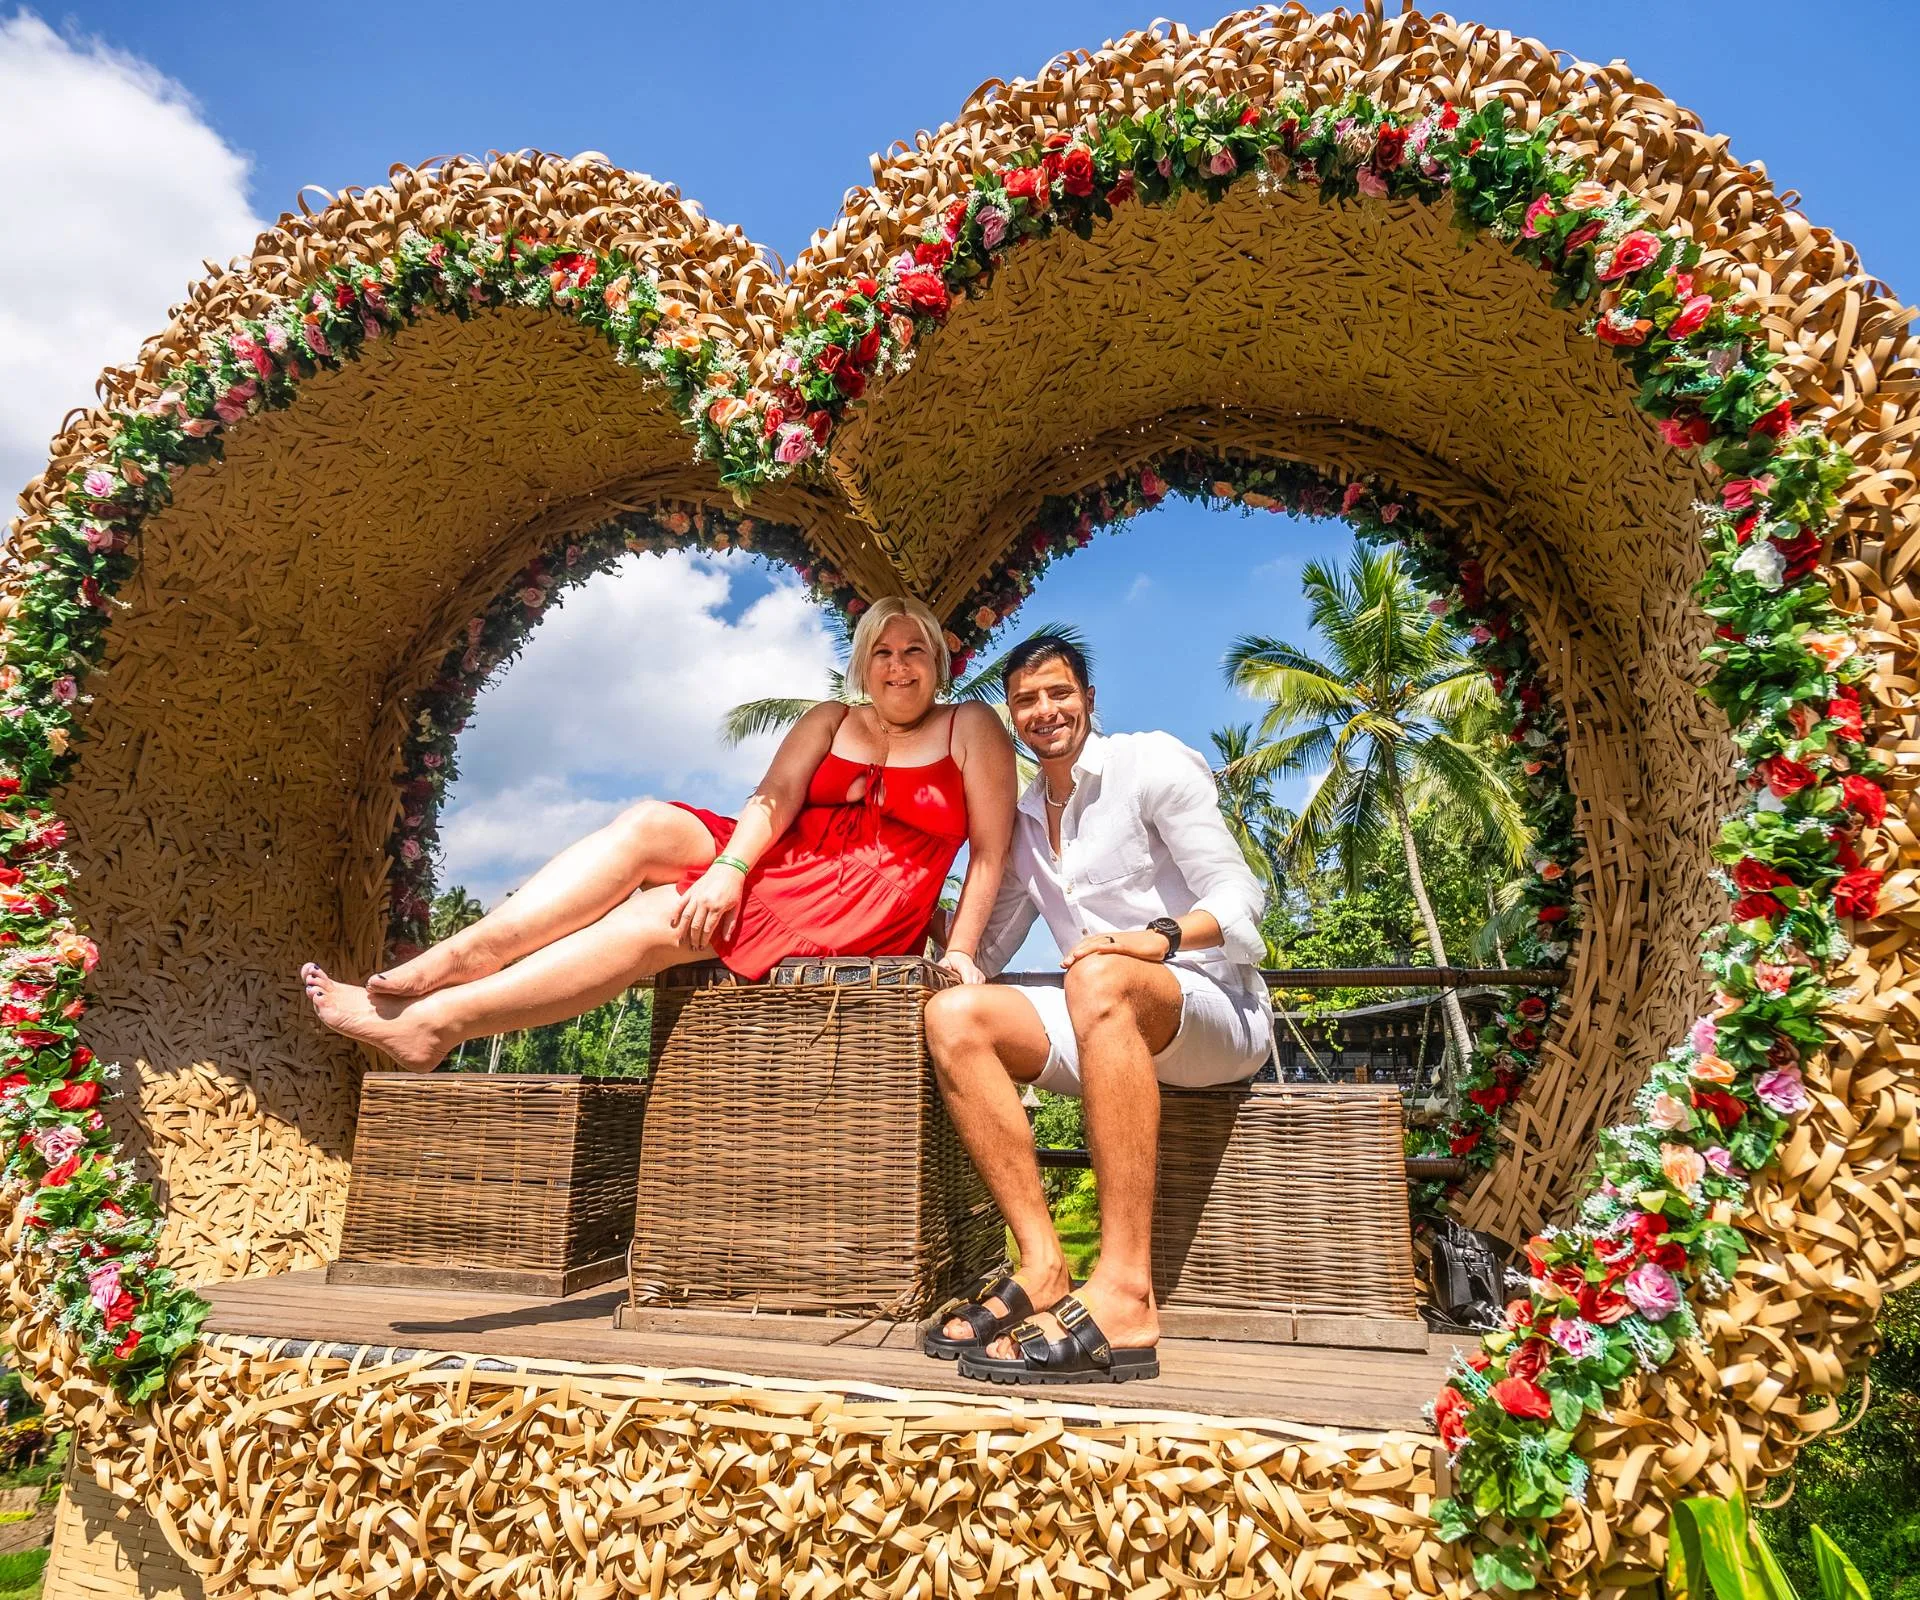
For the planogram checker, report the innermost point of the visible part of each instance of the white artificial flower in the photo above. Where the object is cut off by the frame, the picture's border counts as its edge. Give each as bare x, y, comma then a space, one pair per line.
1762, 562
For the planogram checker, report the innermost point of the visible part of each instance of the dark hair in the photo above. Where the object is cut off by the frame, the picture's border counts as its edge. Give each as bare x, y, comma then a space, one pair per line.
1031, 652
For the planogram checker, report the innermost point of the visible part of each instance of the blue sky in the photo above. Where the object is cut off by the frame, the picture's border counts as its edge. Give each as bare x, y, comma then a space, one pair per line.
192, 120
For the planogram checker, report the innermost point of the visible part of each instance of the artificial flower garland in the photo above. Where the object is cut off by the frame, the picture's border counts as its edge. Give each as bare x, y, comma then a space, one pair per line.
1609, 1296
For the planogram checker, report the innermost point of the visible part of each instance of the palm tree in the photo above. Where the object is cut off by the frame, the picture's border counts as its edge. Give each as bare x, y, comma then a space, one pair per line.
1388, 720
453, 909
1256, 820
987, 683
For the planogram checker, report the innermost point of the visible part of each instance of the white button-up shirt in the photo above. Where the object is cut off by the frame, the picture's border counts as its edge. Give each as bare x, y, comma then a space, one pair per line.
1141, 837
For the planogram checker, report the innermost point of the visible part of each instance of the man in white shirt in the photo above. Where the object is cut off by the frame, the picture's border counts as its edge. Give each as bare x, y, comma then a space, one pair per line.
1119, 845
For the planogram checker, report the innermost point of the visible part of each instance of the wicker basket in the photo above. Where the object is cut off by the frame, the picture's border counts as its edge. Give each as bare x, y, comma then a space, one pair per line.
517, 1182
797, 1157
1285, 1199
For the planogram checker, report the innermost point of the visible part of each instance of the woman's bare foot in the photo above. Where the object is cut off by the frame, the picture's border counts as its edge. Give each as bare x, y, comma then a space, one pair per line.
1130, 1321
439, 966
393, 1027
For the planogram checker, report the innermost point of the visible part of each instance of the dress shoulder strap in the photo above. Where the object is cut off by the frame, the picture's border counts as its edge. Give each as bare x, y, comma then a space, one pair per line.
953, 716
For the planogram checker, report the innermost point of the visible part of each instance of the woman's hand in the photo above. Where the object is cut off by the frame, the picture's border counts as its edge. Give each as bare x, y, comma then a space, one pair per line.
963, 967
1143, 944
706, 911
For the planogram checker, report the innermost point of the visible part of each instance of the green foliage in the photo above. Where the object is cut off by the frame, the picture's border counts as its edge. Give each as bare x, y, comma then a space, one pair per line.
1863, 1486
1059, 1123
21, 1572
1717, 1553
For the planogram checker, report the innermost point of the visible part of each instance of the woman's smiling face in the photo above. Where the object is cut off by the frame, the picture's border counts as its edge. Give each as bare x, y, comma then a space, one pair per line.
902, 677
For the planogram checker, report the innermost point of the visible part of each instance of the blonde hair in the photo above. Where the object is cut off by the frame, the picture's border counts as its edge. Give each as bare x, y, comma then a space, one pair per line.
872, 624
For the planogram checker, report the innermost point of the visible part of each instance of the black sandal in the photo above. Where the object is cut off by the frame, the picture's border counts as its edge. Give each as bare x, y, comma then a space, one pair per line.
986, 1327
1083, 1356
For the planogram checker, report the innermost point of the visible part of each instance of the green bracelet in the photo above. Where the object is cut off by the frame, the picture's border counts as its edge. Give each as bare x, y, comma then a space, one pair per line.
733, 861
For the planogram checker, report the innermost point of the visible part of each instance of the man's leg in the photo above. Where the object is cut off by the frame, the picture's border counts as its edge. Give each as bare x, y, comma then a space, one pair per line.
1125, 1011
987, 1040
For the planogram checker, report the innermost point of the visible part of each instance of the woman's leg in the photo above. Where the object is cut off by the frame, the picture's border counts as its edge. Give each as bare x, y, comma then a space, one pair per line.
573, 974
647, 844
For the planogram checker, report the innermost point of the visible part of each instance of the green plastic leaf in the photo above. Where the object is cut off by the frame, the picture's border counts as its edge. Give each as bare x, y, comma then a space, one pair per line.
1506, 1568
1839, 1578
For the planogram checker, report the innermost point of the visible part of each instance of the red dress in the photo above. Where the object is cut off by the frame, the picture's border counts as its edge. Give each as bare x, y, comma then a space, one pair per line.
859, 872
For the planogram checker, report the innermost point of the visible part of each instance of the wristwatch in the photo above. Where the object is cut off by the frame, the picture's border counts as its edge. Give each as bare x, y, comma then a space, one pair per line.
1169, 930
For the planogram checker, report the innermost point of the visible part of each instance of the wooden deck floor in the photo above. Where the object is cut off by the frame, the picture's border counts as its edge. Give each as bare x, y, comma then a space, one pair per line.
1298, 1384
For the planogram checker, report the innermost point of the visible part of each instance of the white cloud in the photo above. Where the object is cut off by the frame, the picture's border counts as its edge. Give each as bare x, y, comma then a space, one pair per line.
1139, 587
617, 697
115, 192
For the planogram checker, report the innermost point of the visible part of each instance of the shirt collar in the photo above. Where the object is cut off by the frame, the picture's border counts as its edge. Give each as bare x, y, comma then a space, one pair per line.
1089, 763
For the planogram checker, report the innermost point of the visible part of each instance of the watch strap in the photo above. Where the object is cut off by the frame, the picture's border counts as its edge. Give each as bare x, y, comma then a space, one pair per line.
1169, 930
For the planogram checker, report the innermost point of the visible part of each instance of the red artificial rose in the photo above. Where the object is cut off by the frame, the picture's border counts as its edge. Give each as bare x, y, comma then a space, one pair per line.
1757, 908
867, 351
1479, 1361
82, 1057
1687, 431
1450, 1411
1586, 233
9, 786
820, 424
831, 359
1632, 254
925, 293
1519, 1313
1462, 1144
1775, 423
1785, 776
1552, 913
1533, 1008
1449, 118
1668, 1255
1249, 117
1122, 190
933, 252
867, 286
852, 382
1020, 184
1603, 1305
1843, 711
1629, 334
1390, 149
1857, 895
954, 218
1864, 798
1522, 1397
128, 1345
120, 1310
1802, 553
1490, 1098
1692, 316
58, 1176
1076, 172
79, 1096
1756, 877
1725, 1109
1529, 1360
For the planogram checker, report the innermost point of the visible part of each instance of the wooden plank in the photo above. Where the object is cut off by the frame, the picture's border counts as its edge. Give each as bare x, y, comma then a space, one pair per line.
786, 1327
1370, 978
1295, 1384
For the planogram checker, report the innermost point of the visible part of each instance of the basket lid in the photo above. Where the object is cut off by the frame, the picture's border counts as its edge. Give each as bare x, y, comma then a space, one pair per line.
877, 972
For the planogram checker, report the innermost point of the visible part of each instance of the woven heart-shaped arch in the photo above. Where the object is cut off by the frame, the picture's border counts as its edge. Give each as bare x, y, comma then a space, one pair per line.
338, 559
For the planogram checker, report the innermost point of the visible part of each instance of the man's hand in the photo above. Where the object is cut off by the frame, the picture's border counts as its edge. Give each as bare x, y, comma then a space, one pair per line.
1143, 944
963, 967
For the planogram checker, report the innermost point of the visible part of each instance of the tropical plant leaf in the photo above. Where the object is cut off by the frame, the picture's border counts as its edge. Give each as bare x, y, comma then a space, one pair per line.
1839, 1578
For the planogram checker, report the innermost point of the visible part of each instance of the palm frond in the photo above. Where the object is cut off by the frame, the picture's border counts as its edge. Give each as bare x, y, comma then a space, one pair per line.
755, 717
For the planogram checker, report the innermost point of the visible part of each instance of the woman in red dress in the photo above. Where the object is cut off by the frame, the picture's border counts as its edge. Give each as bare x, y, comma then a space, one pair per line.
842, 850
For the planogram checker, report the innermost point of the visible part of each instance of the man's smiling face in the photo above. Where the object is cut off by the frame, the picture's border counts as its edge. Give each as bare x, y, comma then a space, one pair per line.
1052, 714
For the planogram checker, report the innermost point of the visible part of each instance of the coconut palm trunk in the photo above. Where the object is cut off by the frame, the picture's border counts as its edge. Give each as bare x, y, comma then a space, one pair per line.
1449, 998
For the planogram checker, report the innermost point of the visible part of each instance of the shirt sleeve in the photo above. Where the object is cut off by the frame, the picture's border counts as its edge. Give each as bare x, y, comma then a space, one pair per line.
1008, 925
1182, 804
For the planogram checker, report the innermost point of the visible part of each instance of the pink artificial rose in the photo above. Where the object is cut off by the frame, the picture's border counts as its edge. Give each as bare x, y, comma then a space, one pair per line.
1537, 213
1782, 1091
58, 1144
1668, 1113
1720, 1159
232, 405
66, 690
1372, 184
1654, 1291
1692, 318
1703, 1036
1225, 161
993, 226
103, 1285
99, 484
1632, 254
1390, 513
1152, 485
796, 444
1356, 492
1579, 1339
98, 538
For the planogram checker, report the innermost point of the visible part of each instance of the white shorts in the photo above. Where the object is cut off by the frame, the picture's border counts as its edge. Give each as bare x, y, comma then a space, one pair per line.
1225, 1035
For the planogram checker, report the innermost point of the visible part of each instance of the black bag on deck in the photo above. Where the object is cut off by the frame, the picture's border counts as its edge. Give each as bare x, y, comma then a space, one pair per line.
1469, 1279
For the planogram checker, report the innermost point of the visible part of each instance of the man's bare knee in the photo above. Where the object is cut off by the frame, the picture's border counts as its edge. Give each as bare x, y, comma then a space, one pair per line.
1105, 992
